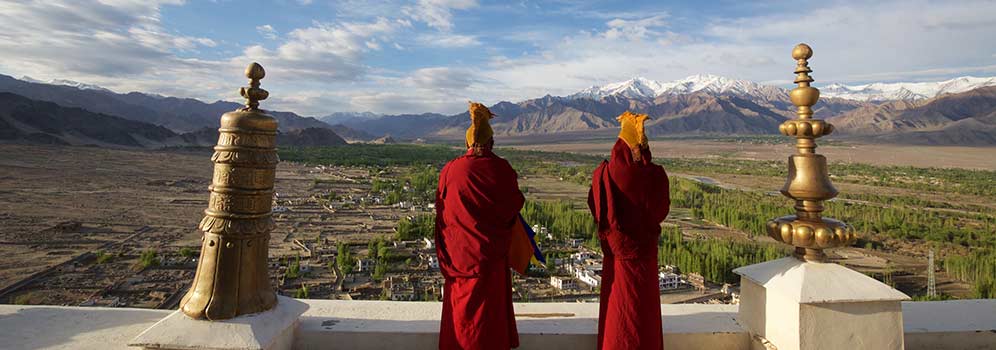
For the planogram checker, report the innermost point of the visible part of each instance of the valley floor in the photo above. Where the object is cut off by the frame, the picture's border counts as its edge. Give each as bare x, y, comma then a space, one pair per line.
877, 154
62, 209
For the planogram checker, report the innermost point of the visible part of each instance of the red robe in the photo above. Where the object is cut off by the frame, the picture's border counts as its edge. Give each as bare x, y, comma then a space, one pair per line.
629, 199
477, 206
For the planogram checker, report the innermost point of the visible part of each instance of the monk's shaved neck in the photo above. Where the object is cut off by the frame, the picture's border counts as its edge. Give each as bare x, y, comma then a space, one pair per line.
480, 150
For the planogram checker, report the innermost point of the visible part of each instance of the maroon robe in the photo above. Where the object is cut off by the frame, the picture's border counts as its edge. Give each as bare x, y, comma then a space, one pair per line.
629, 199
477, 206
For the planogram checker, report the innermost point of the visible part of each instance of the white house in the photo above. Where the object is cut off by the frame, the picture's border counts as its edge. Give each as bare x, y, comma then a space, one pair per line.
365, 264
582, 256
589, 274
668, 280
429, 259
563, 283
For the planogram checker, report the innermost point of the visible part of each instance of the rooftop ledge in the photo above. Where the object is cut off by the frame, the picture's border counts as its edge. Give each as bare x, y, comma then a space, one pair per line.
958, 324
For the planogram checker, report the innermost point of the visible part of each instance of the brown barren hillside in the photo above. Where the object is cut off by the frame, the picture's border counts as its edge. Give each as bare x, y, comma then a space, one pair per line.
967, 118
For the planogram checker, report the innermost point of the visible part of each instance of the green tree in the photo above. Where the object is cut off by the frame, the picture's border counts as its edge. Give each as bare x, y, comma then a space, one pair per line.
301, 293
293, 269
148, 259
186, 252
345, 259
103, 257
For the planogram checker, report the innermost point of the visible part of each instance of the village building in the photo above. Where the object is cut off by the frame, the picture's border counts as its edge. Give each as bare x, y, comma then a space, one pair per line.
563, 283
363, 265
668, 280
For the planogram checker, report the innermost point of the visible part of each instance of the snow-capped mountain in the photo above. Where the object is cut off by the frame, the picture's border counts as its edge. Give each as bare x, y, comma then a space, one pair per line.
65, 82
643, 88
638, 87
905, 91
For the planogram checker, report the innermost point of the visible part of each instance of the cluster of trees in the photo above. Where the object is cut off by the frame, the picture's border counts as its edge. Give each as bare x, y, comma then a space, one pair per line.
561, 218
915, 202
344, 259
712, 258
897, 217
945, 180
978, 267
949, 180
380, 253
416, 227
148, 258
571, 167
421, 181
914, 223
745, 211
750, 211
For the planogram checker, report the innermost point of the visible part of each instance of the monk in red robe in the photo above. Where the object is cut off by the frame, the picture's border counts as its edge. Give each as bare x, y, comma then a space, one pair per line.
477, 206
629, 199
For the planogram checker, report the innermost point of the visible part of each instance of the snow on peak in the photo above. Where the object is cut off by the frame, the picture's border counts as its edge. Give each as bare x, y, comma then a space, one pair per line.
644, 88
638, 87
65, 82
905, 91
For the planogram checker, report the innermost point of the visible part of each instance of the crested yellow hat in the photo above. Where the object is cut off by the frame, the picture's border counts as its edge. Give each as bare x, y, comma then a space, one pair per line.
479, 133
632, 129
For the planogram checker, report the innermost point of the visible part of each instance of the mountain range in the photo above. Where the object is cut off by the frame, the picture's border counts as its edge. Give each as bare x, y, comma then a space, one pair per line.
966, 118
956, 111
905, 91
713, 105
71, 113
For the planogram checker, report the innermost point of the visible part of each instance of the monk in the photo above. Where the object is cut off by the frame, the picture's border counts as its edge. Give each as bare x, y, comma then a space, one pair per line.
477, 207
629, 199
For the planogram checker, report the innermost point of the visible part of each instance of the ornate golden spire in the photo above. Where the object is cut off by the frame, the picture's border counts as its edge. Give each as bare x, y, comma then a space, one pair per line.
232, 273
253, 94
808, 181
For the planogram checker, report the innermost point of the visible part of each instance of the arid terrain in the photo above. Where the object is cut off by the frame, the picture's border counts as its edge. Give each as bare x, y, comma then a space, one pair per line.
879, 154
77, 223
62, 208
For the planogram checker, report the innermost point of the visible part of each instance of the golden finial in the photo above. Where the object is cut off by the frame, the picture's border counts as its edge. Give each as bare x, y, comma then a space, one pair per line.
232, 278
253, 94
808, 179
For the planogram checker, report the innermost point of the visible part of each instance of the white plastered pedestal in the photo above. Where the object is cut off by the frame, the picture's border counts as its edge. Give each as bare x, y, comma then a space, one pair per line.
269, 330
808, 306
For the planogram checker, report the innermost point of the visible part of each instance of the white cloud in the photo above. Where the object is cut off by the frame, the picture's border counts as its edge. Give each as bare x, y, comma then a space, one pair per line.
401, 102
854, 41
442, 78
123, 46
637, 29
437, 13
267, 31
446, 40
327, 67
117, 44
324, 51
885, 41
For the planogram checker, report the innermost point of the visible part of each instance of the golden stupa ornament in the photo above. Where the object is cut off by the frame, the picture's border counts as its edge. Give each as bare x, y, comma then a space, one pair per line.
808, 181
232, 277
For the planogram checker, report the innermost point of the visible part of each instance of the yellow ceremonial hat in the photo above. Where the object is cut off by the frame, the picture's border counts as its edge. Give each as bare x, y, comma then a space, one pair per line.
480, 132
632, 129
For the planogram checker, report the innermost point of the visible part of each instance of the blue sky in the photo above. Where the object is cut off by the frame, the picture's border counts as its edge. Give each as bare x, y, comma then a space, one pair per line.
419, 56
